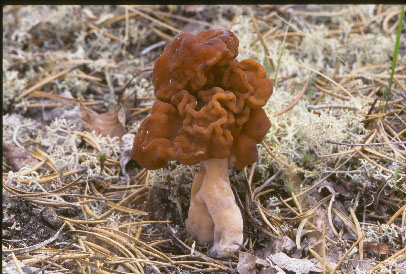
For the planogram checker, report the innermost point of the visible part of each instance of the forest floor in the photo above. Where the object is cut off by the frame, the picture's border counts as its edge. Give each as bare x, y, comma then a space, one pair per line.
327, 193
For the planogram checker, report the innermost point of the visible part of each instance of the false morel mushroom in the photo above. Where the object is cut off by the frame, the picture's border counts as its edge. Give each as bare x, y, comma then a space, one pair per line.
208, 110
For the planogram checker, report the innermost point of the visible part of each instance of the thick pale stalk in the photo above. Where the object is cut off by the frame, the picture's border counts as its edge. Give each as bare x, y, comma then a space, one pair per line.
213, 214
199, 223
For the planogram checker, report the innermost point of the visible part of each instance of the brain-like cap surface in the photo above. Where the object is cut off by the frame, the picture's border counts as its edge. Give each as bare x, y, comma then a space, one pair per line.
209, 105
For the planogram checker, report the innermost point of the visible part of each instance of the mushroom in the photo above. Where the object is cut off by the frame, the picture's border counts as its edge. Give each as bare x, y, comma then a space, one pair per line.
208, 110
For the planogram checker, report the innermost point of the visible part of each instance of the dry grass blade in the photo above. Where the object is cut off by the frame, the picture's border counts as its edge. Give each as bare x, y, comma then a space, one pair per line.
89, 139
83, 222
346, 220
40, 105
385, 23
296, 201
299, 232
17, 263
296, 169
397, 213
42, 94
126, 209
118, 237
371, 150
128, 198
291, 105
195, 252
102, 269
359, 233
82, 75
119, 247
217, 266
317, 42
56, 253
35, 167
110, 35
346, 254
261, 213
47, 178
326, 77
71, 256
278, 67
320, 259
148, 249
376, 164
165, 25
332, 92
99, 249
145, 109
50, 162
249, 181
329, 106
330, 218
176, 16
161, 34
369, 139
254, 22
306, 215
118, 18
381, 130
388, 260
77, 180
144, 223
40, 155
321, 14
43, 83
14, 190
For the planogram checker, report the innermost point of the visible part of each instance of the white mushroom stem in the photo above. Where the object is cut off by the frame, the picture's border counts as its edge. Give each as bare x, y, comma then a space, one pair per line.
213, 214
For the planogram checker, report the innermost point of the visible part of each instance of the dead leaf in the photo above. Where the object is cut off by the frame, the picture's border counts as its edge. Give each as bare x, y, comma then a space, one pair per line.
381, 248
291, 264
111, 123
11, 268
246, 263
18, 158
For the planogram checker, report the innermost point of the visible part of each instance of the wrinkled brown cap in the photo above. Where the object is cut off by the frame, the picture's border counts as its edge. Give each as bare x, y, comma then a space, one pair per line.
209, 105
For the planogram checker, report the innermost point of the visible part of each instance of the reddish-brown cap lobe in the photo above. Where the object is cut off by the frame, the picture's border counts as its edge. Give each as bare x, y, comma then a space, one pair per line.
209, 105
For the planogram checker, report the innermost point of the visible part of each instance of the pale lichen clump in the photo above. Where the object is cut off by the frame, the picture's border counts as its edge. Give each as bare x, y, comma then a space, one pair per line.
384, 234
29, 17
65, 18
145, 89
300, 131
380, 53
243, 30
71, 85
60, 142
109, 146
14, 82
18, 129
320, 51
13, 85
15, 179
